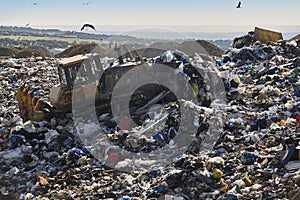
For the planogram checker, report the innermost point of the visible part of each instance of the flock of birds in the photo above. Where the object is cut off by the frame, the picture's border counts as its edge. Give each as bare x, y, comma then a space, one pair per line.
85, 26
84, 4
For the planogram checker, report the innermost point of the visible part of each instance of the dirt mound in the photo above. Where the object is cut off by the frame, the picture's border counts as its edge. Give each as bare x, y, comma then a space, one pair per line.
130, 46
151, 52
164, 45
201, 47
83, 48
8, 51
188, 47
297, 37
35, 51
157, 48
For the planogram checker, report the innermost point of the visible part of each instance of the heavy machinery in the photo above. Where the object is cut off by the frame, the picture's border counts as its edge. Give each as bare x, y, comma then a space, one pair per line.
84, 70
259, 34
265, 36
60, 97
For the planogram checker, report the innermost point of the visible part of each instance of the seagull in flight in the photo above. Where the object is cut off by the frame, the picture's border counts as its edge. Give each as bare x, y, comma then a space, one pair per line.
27, 24
86, 3
88, 26
239, 5
34, 3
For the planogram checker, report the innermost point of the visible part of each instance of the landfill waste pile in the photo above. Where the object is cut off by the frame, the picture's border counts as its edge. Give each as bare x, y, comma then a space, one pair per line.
255, 156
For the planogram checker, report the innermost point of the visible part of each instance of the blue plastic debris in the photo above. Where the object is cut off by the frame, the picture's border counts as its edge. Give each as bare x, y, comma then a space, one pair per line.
36, 93
16, 141
53, 165
248, 157
158, 189
78, 151
219, 61
158, 136
288, 155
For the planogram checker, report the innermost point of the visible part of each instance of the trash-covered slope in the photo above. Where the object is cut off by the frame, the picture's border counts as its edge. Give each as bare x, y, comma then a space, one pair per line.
255, 157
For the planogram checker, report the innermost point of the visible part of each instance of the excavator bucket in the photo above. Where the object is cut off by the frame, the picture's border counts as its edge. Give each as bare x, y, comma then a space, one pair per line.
30, 107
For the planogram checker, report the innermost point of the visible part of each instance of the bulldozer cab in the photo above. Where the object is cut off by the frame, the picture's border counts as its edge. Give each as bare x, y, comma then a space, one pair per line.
75, 73
80, 69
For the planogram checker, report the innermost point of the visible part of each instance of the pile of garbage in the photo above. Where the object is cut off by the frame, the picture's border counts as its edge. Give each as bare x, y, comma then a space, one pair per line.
256, 155
261, 130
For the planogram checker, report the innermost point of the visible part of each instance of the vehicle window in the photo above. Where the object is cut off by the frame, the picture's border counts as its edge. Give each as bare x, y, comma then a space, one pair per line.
73, 74
62, 76
82, 74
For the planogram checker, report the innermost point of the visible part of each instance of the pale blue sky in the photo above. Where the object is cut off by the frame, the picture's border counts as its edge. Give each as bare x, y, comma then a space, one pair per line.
174, 13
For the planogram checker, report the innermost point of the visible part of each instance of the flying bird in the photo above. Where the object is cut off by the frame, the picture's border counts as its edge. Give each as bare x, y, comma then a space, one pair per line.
34, 3
87, 3
88, 26
239, 5
27, 24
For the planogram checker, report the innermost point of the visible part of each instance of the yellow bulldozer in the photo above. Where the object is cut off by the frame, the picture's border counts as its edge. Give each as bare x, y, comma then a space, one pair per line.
81, 69
60, 97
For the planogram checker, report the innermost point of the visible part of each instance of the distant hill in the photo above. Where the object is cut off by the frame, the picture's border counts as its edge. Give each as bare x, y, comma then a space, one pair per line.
26, 31
24, 38
12, 36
